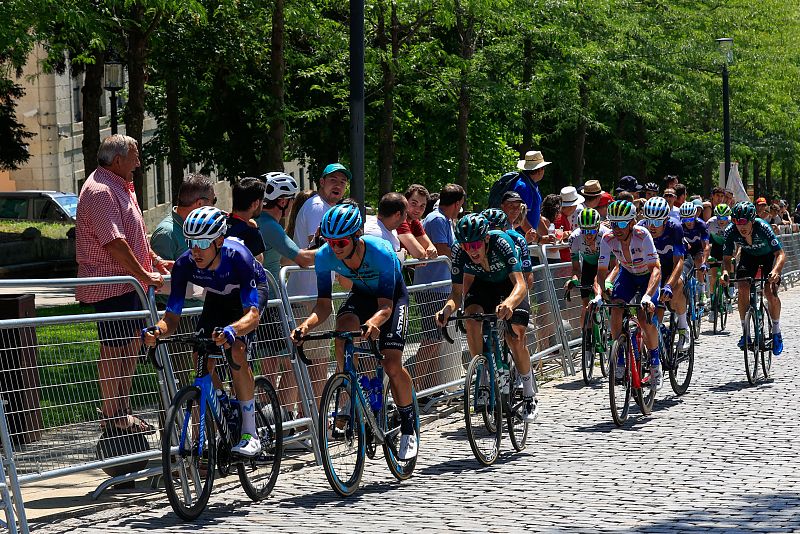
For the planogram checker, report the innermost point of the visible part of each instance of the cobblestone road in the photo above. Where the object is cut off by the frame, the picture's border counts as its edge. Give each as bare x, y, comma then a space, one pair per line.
721, 458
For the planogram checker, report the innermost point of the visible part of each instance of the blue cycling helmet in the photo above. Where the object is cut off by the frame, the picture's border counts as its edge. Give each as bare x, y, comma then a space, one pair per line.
340, 221
205, 223
496, 217
656, 208
688, 209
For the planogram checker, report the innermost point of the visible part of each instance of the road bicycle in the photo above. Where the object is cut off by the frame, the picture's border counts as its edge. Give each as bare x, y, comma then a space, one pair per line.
720, 301
757, 331
678, 363
202, 425
356, 415
491, 387
595, 340
694, 310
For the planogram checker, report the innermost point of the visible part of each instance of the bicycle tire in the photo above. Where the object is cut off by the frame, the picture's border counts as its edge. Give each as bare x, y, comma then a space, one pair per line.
390, 419
258, 475
605, 338
338, 443
517, 427
751, 353
189, 480
682, 368
723, 312
619, 410
587, 349
483, 439
716, 310
766, 343
646, 394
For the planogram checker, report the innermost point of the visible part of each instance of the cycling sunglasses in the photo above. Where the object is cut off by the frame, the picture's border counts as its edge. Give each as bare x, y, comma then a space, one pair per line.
687, 219
338, 243
621, 224
741, 222
202, 244
472, 245
655, 223
589, 231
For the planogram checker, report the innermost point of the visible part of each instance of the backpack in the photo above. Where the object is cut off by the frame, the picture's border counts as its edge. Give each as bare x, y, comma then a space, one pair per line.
505, 183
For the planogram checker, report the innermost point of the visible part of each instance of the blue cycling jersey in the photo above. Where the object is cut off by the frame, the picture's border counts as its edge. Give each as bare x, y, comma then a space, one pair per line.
237, 271
696, 237
379, 275
670, 244
522, 250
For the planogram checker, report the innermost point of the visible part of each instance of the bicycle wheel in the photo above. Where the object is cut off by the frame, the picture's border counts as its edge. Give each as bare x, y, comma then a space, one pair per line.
715, 309
188, 468
766, 343
603, 342
751, 352
390, 420
587, 349
680, 373
481, 406
619, 391
645, 395
517, 427
694, 313
341, 435
722, 313
258, 475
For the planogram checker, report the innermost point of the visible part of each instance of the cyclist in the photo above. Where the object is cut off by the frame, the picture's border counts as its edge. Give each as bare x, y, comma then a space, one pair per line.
499, 221
716, 232
584, 244
378, 300
486, 272
760, 248
236, 295
695, 231
668, 238
639, 272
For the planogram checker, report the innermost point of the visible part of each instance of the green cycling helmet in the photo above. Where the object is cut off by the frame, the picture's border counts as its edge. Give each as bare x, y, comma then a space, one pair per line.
496, 217
621, 210
589, 218
472, 227
722, 210
744, 210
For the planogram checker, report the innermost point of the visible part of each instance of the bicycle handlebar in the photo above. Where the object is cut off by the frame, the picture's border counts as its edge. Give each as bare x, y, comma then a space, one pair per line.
199, 343
334, 334
459, 317
568, 291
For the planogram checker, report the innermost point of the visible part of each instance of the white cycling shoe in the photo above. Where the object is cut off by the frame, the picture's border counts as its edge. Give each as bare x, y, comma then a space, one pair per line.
408, 447
248, 447
657, 376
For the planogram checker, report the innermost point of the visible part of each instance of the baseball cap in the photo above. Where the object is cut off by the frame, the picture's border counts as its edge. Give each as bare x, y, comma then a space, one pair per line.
511, 196
761, 200
334, 167
605, 199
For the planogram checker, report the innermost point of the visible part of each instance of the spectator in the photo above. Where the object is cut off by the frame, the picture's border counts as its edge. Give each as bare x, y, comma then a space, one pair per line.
433, 203
650, 190
531, 173
512, 206
602, 205
625, 195
570, 200
299, 201
196, 191
110, 240
680, 195
551, 207
717, 196
762, 209
248, 197
591, 191
392, 210
708, 210
784, 213
411, 233
729, 200
670, 181
775, 215
796, 215
630, 184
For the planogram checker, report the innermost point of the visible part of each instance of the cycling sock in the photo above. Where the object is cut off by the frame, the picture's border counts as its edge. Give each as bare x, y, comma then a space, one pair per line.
703, 288
406, 419
776, 327
654, 358
249, 417
682, 323
527, 384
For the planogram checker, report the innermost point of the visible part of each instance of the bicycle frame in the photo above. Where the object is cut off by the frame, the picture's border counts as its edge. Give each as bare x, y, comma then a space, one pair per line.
629, 318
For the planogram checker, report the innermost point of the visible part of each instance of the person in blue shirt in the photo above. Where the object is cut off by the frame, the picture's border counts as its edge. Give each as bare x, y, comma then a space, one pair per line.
237, 293
527, 186
695, 231
377, 304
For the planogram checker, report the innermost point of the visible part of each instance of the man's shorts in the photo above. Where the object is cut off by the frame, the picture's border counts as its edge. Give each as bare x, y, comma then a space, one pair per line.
221, 310
488, 295
588, 274
393, 331
716, 251
749, 264
627, 285
666, 270
119, 332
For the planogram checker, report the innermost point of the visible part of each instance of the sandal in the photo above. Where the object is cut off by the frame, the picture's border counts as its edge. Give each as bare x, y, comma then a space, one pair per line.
125, 423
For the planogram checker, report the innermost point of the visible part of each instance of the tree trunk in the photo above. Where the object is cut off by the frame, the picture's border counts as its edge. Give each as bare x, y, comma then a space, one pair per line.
527, 113
619, 140
466, 30
176, 163
708, 173
277, 70
745, 174
91, 94
389, 45
783, 184
134, 108
756, 178
580, 135
770, 190
641, 146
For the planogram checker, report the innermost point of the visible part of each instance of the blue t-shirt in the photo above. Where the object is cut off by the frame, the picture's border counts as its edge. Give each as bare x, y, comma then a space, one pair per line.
522, 250
669, 245
529, 191
439, 230
379, 275
696, 237
238, 271
276, 243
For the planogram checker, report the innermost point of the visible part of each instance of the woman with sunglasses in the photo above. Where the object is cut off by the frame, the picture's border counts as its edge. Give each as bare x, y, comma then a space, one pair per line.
378, 300
486, 272
584, 246
639, 273
237, 295
760, 249
717, 225
668, 238
695, 231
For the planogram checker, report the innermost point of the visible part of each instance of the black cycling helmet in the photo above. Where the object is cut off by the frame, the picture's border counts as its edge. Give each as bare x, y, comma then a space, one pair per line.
744, 210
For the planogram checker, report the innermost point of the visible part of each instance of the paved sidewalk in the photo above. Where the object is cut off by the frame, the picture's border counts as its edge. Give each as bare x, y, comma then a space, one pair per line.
721, 458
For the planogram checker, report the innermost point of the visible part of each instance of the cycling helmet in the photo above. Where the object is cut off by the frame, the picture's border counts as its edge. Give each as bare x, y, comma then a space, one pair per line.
496, 217
205, 223
688, 209
621, 210
342, 220
744, 210
589, 218
722, 210
472, 227
656, 208
279, 185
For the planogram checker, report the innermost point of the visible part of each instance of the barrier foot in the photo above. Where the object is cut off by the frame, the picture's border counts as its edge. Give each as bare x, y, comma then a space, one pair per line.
440, 399
128, 477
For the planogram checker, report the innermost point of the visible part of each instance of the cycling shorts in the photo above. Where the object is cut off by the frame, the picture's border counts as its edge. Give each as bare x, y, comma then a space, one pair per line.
627, 285
749, 264
666, 271
488, 295
221, 310
393, 331
119, 332
588, 274
716, 251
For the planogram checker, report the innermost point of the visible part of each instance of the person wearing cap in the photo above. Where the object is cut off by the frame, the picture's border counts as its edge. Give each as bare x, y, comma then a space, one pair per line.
650, 190
762, 209
602, 205
570, 201
717, 196
629, 184
671, 197
531, 172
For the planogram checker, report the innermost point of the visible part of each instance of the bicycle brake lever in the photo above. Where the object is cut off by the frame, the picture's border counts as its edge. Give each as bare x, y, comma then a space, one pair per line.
445, 332
151, 355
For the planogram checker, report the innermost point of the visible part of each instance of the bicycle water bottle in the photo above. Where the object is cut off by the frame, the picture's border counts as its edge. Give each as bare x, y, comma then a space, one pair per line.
376, 394
503, 375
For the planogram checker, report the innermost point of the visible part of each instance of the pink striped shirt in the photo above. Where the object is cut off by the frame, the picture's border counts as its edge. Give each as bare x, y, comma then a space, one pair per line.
107, 210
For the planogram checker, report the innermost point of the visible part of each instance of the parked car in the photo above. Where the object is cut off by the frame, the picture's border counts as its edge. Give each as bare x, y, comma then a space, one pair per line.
52, 206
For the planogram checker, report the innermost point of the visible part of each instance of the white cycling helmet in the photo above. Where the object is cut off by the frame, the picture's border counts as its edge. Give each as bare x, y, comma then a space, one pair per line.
205, 223
279, 185
688, 209
656, 208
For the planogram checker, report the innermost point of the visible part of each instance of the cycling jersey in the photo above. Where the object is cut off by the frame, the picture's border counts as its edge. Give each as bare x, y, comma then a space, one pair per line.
238, 272
716, 229
579, 248
379, 275
669, 245
522, 250
501, 254
696, 237
764, 240
642, 251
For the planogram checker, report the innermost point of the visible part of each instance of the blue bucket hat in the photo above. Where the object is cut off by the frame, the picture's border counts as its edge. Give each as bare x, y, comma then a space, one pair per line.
336, 167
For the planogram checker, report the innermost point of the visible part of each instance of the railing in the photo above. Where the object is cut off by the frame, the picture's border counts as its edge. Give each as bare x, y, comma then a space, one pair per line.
50, 425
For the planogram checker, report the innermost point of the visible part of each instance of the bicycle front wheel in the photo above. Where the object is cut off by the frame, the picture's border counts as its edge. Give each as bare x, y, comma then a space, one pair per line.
619, 390
517, 427
390, 419
587, 349
680, 373
766, 343
752, 336
188, 459
483, 411
342, 438
603, 342
258, 475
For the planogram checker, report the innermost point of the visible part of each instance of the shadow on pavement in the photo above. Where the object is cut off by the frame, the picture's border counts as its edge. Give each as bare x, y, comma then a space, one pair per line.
469, 464
741, 385
577, 385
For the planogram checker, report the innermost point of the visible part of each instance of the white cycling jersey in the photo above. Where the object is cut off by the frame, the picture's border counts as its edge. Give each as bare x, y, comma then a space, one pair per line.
642, 251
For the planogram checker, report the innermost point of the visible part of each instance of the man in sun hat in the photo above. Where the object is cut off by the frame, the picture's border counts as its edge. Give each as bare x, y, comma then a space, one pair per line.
630, 184
531, 172
591, 191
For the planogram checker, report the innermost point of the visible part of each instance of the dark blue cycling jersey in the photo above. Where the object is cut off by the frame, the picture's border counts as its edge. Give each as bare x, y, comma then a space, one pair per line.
379, 275
764, 240
696, 237
522, 250
237, 271
670, 245
502, 256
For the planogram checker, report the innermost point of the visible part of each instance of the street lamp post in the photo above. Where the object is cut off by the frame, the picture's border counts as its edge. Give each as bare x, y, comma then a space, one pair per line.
112, 82
357, 100
726, 47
